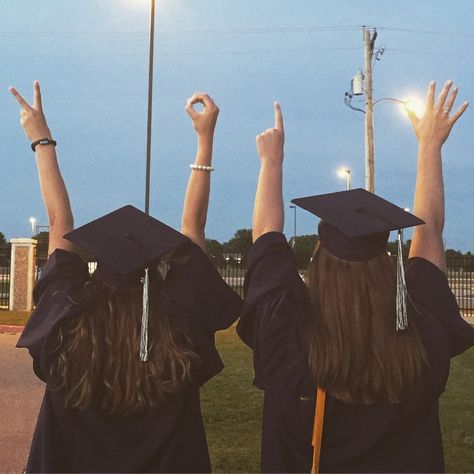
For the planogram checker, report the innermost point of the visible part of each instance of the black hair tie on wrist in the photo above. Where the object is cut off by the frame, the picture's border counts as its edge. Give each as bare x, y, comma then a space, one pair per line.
43, 141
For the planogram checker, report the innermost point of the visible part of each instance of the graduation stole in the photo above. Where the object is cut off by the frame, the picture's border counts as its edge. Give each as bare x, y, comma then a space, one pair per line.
318, 428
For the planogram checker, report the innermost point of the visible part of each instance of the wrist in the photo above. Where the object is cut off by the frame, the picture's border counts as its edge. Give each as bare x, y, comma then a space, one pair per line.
430, 146
271, 161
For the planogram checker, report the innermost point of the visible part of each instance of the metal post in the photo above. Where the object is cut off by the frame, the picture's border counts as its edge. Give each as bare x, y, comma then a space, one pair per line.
369, 121
348, 171
150, 106
294, 224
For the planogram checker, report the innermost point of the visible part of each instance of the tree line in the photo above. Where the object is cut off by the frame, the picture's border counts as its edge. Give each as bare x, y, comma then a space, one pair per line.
234, 250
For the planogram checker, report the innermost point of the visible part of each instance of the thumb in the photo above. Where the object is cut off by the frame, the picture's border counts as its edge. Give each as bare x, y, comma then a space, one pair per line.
413, 117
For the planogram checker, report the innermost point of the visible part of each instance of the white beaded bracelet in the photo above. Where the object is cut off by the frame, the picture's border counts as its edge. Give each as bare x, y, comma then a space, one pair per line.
194, 166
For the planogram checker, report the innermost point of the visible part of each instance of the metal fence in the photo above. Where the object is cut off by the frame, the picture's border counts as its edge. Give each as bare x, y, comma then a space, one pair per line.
461, 280
233, 266
4, 278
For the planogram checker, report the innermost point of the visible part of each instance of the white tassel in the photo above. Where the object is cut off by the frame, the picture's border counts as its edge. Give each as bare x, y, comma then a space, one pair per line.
401, 300
144, 328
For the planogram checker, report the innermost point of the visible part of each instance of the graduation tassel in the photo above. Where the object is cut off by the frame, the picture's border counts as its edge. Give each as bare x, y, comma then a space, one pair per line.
401, 300
144, 328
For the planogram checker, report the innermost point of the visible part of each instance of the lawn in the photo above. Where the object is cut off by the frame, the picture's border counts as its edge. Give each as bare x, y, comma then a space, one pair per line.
14, 318
232, 411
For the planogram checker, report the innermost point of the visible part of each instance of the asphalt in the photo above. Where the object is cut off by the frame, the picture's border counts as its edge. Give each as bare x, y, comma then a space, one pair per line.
20, 398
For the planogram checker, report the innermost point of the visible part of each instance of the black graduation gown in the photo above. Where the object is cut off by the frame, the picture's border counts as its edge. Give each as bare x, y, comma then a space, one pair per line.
169, 439
403, 437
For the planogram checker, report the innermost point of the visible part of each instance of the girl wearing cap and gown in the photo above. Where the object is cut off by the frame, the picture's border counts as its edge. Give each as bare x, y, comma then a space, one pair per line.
381, 365
124, 352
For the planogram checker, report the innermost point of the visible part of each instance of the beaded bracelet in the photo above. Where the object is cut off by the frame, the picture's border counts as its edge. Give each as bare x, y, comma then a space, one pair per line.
194, 166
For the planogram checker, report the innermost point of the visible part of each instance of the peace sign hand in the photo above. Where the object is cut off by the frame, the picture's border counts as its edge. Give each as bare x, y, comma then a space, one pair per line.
270, 143
32, 120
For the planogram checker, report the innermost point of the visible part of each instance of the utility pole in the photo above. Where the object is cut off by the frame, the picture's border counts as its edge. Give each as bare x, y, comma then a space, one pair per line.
369, 42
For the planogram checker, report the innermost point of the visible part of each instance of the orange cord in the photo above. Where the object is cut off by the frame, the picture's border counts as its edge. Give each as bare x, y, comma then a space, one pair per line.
318, 428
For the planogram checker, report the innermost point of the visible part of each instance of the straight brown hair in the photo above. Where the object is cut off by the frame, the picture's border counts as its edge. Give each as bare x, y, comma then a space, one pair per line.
355, 353
96, 358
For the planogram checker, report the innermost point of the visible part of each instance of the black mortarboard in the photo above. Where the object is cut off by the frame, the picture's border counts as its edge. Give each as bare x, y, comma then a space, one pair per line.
125, 242
355, 225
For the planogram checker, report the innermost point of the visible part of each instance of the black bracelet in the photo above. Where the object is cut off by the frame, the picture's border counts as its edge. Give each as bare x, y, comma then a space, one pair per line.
43, 141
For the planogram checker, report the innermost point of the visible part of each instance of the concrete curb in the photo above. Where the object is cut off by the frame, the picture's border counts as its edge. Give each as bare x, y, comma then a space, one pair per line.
9, 329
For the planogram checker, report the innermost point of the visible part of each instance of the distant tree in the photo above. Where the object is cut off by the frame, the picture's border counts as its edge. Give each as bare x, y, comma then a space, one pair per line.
453, 253
4, 250
43, 242
214, 250
240, 242
303, 246
392, 247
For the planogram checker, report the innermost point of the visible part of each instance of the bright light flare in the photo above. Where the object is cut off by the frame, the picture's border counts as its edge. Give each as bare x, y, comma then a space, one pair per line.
413, 104
32, 221
343, 172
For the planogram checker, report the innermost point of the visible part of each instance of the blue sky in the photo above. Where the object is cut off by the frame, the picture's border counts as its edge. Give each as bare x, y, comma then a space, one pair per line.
91, 58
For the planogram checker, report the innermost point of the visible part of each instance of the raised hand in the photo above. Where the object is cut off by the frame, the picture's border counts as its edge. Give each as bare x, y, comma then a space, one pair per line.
434, 127
270, 143
204, 122
32, 120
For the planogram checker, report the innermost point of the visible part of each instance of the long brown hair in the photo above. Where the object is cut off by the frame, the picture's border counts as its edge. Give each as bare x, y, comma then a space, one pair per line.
97, 354
355, 352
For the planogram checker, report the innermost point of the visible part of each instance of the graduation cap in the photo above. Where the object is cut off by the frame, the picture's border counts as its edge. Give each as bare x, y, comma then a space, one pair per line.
127, 243
355, 225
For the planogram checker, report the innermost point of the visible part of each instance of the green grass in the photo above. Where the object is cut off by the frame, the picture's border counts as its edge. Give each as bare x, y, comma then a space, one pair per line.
232, 409
14, 318
457, 415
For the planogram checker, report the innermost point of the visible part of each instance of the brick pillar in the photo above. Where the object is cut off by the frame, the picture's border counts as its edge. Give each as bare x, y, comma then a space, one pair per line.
22, 274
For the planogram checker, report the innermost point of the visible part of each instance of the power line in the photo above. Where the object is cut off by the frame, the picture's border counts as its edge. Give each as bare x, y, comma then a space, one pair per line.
225, 31
190, 53
427, 53
427, 32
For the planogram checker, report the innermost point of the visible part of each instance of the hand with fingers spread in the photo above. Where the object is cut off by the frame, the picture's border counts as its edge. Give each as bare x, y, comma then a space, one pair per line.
32, 120
435, 125
270, 143
432, 130
204, 122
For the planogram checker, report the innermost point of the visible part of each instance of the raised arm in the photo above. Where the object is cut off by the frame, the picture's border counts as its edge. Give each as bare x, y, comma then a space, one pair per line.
432, 130
197, 192
53, 189
268, 212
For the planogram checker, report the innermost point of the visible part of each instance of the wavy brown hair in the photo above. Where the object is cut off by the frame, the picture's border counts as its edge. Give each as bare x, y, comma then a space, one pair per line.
96, 359
356, 354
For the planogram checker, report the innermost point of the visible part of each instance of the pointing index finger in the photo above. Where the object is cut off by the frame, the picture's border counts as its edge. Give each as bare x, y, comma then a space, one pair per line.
278, 117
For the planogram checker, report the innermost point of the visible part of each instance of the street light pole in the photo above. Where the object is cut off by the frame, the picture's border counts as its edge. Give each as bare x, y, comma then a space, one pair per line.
150, 107
294, 224
345, 173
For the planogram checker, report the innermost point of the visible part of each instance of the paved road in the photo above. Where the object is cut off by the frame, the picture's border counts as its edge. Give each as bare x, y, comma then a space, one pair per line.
20, 397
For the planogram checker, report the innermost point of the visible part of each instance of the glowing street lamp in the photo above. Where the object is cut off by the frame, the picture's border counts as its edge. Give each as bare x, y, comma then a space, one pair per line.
33, 224
345, 173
